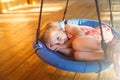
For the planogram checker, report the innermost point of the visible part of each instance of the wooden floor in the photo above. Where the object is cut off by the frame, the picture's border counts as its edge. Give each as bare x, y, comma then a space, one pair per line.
18, 60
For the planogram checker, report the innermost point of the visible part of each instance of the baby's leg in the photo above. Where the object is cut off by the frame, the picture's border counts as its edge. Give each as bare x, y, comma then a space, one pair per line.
87, 48
86, 43
88, 56
66, 51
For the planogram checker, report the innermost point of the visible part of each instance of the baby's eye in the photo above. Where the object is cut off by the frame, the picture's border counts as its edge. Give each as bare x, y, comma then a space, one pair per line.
58, 38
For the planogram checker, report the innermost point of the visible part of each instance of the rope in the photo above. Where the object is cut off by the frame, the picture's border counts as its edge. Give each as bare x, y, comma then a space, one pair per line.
39, 22
98, 13
103, 43
67, 1
40, 15
111, 15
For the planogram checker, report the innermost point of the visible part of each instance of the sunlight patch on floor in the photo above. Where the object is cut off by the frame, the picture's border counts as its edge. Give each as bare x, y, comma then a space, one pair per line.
36, 8
17, 20
107, 13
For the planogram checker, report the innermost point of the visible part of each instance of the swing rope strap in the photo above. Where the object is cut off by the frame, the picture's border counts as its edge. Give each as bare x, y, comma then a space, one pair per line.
99, 19
40, 16
39, 22
103, 43
111, 15
65, 22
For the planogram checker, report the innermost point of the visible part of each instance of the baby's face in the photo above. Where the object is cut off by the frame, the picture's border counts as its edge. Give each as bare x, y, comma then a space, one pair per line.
57, 37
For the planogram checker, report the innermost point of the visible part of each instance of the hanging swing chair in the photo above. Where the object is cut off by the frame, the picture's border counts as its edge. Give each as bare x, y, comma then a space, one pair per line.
59, 61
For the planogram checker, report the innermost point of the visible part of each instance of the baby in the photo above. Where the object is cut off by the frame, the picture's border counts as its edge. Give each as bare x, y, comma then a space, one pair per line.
84, 43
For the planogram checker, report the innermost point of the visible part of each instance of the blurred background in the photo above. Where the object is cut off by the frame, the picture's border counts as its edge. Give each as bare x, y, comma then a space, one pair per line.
6, 5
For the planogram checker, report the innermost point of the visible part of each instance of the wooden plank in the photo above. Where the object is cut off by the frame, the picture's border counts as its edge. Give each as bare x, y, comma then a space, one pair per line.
109, 75
16, 38
11, 28
6, 56
63, 75
42, 72
22, 72
56, 74
11, 65
86, 76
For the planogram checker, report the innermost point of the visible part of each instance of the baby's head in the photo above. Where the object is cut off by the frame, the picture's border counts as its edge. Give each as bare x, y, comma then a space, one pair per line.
54, 35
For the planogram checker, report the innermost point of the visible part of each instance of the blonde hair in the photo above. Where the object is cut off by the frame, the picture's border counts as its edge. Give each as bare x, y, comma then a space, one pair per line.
50, 27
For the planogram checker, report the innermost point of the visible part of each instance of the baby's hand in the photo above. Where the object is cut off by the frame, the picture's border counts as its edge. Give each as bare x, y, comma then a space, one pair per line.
60, 47
54, 47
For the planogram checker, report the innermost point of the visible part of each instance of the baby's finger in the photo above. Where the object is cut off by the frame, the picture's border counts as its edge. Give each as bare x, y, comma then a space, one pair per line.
52, 47
57, 49
47, 45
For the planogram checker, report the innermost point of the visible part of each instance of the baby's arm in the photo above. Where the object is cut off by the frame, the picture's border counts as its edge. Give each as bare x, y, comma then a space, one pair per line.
74, 30
62, 49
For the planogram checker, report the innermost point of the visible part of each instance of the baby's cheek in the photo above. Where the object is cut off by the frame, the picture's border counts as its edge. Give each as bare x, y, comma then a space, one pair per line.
52, 41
